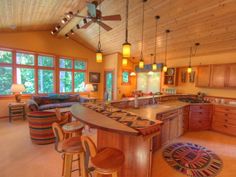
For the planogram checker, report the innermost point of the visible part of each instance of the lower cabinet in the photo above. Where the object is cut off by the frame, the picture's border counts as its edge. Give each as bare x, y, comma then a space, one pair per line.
172, 126
200, 117
224, 119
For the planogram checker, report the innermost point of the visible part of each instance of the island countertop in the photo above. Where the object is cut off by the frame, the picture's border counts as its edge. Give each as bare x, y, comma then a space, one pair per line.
100, 121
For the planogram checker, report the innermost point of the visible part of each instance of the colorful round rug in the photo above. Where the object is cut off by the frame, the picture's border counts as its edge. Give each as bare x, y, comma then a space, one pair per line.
192, 159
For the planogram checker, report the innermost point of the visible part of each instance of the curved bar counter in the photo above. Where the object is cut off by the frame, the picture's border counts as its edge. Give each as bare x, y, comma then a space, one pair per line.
110, 133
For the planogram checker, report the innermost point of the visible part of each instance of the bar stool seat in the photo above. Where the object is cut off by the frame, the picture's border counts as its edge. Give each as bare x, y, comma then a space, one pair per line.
73, 128
108, 160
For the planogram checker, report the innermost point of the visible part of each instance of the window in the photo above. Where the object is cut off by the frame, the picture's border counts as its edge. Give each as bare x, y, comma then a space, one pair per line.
149, 82
125, 77
6, 78
72, 75
38, 74
45, 81
45, 61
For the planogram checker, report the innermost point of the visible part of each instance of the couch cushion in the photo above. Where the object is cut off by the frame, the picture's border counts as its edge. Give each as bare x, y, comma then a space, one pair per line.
56, 105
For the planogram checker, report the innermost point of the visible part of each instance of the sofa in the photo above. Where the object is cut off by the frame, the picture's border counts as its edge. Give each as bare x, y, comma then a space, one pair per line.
40, 125
41, 103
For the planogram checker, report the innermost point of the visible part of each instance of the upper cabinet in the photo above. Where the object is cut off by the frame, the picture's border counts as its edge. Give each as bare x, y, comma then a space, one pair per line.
203, 76
231, 82
217, 76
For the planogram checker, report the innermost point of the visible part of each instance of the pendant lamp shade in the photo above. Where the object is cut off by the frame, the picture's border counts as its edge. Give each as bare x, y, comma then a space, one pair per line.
189, 70
141, 64
154, 66
124, 62
99, 57
126, 50
164, 69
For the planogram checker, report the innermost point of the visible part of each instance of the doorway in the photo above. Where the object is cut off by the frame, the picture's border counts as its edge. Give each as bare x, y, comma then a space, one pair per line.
109, 84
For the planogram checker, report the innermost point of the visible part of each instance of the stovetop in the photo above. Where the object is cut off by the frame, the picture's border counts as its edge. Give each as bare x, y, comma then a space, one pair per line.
192, 100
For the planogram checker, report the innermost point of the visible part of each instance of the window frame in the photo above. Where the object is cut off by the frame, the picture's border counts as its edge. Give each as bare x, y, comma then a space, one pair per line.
56, 70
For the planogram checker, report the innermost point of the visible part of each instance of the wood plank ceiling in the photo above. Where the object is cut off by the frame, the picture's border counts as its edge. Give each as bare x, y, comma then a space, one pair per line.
210, 22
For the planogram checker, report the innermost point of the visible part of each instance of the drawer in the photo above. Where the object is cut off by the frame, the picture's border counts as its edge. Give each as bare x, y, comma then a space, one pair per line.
201, 108
201, 115
224, 128
198, 124
224, 119
225, 109
167, 115
225, 115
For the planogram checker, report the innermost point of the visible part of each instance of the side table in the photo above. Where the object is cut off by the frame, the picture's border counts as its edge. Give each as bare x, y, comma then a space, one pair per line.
16, 110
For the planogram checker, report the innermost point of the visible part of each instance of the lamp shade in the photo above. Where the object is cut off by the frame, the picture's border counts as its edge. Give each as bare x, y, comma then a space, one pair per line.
141, 64
17, 88
154, 66
164, 69
99, 57
189, 70
89, 88
126, 50
133, 74
124, 62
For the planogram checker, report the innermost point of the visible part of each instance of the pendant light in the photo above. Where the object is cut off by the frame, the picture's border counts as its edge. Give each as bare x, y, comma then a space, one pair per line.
164, 69
141, 61
99, 57
126, 47
154, 65
189, 70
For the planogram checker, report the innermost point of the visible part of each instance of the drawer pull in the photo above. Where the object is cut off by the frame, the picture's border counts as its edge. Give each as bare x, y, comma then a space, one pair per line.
200, 121
200, 112
226, 114
226, 120
225, 126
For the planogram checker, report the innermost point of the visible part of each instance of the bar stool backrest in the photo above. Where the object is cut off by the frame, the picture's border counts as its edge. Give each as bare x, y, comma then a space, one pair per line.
89, 146
58, 132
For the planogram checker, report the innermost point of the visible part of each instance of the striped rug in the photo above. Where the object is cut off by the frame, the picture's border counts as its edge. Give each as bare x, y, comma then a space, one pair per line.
192, 159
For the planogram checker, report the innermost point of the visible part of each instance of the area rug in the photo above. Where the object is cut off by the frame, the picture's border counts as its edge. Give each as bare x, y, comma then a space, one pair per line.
192, 159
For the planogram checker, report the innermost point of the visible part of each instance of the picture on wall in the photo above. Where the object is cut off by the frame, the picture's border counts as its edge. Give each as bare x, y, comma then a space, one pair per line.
192, 77
94, 77
95, 87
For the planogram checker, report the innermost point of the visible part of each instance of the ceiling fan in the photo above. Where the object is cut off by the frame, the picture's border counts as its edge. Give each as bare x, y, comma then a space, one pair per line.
95, 16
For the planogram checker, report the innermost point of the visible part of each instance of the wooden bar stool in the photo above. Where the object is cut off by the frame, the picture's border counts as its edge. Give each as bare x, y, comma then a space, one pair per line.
73, 129
69, 148
108, 161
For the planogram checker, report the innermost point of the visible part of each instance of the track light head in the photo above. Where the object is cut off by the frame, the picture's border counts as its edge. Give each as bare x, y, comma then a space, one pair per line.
157, 17
64, 20
67, 36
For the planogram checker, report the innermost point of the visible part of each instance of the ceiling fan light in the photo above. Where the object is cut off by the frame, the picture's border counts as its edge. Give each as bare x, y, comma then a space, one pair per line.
141, 64
189, 70
126, 50
99, 56
64, 20
124, 62
164, 69
154, 66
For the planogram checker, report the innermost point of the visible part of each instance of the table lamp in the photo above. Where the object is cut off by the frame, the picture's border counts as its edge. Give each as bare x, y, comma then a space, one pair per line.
17, 89
89, 88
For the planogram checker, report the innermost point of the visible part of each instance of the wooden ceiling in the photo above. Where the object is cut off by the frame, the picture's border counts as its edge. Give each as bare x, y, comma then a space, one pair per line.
210, 22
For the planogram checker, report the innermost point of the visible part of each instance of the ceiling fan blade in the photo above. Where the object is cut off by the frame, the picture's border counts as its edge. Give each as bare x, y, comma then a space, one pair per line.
112, 18
106, 27
91, 9
86, 25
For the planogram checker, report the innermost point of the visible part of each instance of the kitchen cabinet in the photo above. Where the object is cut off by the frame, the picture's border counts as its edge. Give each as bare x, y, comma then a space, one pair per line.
231, 81
203, 76
185, 119
171, 127
218, 76
200, 117
224, 119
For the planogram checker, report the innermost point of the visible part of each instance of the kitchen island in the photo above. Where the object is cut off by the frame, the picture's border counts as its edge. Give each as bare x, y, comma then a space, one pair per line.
135, 143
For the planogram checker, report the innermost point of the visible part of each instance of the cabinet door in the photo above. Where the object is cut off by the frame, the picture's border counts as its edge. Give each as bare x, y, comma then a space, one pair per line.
232, 75
173, 128
180, 125
203, 76
165, 132
218, 75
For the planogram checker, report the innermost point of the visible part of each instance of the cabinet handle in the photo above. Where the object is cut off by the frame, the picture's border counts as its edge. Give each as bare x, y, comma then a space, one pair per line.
200, 112
226, 114
226, 120
200, 121
225, 126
